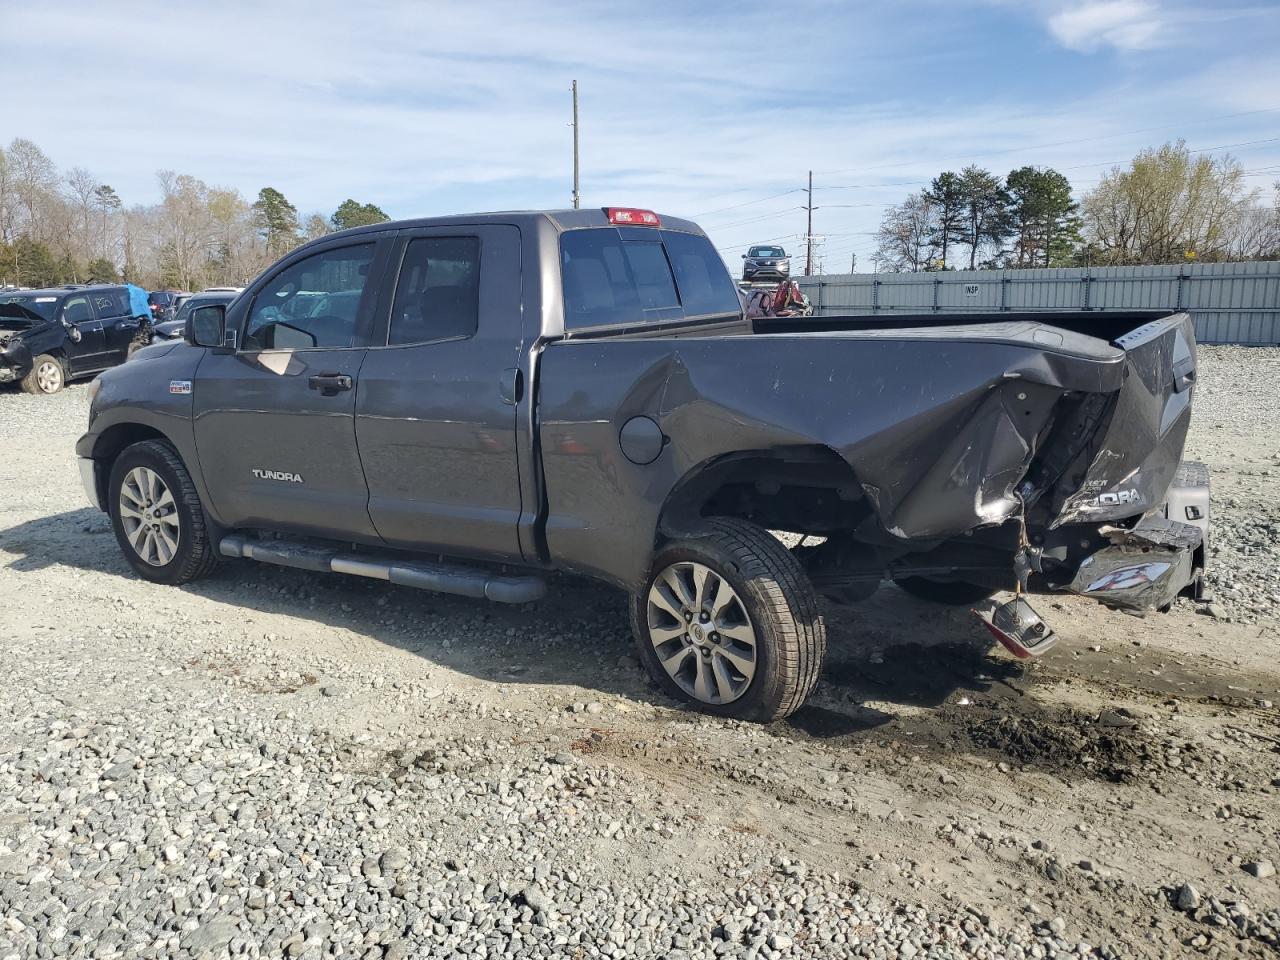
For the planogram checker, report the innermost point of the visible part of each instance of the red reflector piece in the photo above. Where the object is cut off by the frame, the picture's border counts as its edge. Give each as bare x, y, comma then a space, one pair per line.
631, 217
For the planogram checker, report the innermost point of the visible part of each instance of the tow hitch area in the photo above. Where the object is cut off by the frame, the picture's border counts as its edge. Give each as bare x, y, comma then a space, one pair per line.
1016, 625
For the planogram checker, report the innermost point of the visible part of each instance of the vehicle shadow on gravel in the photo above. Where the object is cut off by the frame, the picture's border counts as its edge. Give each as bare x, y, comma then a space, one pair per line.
894, 649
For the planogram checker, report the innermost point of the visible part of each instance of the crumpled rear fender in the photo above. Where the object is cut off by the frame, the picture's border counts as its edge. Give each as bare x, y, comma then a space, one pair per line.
937, 429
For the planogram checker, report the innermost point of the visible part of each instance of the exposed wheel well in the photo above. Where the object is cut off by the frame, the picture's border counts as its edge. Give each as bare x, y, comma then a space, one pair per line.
804, 489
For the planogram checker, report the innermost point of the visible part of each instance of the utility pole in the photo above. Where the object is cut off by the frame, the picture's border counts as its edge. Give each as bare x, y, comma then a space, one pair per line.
853, 263
808, 236
575, 144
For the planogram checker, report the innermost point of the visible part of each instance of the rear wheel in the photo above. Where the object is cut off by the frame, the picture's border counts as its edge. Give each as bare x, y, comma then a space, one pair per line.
46, 375
957, 593
156, 513
728, 622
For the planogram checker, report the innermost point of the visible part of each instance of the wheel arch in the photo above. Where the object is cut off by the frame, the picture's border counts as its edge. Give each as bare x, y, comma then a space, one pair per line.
761, 486
114, 440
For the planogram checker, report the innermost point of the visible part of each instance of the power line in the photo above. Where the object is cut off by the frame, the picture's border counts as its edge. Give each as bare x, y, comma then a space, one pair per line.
775, 196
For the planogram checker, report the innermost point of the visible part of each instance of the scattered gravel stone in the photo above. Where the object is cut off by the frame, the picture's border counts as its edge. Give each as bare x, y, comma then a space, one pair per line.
1260, 869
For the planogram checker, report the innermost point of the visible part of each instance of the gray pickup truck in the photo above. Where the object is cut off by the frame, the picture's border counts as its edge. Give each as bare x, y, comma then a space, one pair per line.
466, 404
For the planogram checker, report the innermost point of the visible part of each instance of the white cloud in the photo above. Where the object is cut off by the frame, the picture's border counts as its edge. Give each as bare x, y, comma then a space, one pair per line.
1123, 24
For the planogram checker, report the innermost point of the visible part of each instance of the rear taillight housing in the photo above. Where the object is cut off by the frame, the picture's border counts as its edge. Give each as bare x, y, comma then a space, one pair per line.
632, 217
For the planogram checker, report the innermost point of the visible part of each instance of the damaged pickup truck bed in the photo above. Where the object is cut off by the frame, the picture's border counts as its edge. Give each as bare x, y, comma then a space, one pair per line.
467, 403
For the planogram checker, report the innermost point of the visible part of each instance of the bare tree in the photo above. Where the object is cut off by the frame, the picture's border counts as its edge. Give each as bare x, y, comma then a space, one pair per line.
108, 204
186, 229
1168, 206
907, 238
81, 187
7, 213
34, 180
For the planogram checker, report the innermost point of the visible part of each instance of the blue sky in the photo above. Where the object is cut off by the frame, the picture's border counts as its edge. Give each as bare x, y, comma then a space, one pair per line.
714, 111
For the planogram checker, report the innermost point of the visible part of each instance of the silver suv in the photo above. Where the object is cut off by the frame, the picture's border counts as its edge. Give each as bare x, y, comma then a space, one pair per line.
766, 263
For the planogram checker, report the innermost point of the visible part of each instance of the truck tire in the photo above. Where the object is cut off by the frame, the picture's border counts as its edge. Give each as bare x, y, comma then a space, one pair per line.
47, 375
728, 621
954, 593
156, 514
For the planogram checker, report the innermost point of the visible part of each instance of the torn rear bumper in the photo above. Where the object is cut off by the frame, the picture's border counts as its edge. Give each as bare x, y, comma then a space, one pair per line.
1150, 564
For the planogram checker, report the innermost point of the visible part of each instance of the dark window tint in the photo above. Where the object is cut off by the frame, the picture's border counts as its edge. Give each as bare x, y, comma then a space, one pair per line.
608, 280
312, 303
438, 293
160, 298
111, 303
77, 310
766, 252
705, 285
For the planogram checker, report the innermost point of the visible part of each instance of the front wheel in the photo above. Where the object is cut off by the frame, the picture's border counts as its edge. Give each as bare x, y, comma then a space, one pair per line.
728, 622
156, 513
46, 375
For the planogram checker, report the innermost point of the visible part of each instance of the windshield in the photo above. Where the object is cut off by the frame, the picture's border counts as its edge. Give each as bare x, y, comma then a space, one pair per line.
766, 252
28, 307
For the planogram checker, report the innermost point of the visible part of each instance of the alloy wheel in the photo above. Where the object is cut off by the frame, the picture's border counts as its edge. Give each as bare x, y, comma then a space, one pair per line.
149, 516
701, 632
49, 376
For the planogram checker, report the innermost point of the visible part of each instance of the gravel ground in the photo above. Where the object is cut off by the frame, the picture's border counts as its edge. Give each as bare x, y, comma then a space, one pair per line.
273, 763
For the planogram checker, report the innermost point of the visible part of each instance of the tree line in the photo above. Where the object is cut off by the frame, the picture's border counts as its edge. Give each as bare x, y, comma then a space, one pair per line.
68, 227
1167, 206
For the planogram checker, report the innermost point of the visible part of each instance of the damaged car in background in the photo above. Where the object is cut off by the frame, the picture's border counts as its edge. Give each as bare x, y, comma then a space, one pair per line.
486, 399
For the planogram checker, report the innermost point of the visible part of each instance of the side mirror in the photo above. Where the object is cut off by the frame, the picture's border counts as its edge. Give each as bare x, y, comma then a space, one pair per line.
206, 326
744, 256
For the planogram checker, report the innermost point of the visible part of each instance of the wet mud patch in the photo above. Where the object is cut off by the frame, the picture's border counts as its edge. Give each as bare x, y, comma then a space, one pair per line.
1064, 741
913, 674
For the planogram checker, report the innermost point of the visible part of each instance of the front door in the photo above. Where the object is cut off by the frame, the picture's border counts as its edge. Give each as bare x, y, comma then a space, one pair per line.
435, 414
86, 344
274, 419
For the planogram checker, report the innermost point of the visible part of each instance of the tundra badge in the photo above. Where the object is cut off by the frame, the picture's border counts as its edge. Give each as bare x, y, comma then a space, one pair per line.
1117, 498
277, 475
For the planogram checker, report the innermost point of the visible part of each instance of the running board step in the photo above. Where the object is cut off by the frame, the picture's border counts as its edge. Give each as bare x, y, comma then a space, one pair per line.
440, 577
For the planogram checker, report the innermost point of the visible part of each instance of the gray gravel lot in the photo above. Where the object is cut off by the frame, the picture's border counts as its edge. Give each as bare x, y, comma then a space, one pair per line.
271, 763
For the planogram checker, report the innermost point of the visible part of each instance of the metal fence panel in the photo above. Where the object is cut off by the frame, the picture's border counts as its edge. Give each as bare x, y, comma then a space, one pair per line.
1230, 302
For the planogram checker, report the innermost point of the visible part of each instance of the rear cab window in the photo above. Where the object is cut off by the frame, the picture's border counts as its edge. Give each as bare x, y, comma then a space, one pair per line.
626, 276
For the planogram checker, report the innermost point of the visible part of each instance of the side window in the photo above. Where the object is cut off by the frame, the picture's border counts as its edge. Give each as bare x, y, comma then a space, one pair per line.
438, 291
111, 304
76, 310
705, 285
312, 303
610, 280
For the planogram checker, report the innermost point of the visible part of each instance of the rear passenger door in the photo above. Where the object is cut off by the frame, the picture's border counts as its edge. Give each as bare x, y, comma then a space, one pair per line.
435, 413
118, 326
